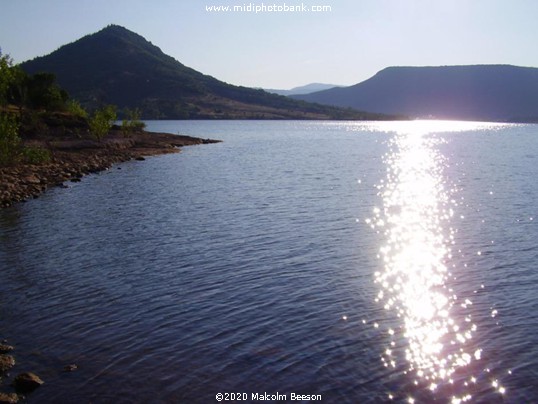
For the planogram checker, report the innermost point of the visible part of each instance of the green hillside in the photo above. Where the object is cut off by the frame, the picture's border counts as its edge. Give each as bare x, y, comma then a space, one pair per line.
117, 66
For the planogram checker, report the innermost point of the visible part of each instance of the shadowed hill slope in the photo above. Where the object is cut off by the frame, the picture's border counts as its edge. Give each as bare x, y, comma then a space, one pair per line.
480, 92
118, 66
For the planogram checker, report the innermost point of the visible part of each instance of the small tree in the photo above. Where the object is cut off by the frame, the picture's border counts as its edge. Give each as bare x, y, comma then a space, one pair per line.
12, 150
101, 121
9, 139
132, 122
43, 92
5, 77
18, 89
74, 107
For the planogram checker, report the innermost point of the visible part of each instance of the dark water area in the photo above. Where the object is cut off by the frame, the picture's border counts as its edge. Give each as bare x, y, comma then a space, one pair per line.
363, 262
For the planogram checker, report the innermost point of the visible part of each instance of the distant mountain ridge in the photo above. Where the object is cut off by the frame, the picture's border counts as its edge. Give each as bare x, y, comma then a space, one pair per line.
306, 89
475, 92
118, 66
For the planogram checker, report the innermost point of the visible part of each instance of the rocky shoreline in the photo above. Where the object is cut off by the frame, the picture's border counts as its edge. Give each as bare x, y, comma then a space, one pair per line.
72, 159
23, 383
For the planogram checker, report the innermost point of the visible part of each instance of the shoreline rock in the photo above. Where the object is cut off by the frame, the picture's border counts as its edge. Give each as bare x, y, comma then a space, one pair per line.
23, 383
8, 398
4, 348
27, 382
72, 159
6, 363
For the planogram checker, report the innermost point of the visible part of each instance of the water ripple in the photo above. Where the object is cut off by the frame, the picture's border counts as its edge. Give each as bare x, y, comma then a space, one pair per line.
247, 266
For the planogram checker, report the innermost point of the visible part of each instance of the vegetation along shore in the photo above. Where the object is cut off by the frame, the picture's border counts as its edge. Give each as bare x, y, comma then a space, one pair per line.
47, 139
70, 160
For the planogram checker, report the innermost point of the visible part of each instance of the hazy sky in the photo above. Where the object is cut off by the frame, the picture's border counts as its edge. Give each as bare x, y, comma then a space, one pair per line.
275, 49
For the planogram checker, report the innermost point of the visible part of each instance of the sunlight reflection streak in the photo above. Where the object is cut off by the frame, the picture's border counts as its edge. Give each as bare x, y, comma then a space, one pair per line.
415, 219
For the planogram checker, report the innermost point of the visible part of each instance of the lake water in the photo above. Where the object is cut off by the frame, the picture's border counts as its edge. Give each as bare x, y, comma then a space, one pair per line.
363, 262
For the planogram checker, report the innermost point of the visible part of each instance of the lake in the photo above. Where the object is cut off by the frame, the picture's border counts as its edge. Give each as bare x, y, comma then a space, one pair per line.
354, 262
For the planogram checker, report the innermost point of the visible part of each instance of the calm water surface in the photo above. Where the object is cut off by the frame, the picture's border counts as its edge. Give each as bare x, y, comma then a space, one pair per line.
365, 262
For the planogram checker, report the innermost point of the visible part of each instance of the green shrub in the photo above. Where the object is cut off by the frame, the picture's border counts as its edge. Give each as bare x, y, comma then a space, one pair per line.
44, 93
10, 141
74, 107
36, 155
6, 76
11, 148
101, 121
132, 122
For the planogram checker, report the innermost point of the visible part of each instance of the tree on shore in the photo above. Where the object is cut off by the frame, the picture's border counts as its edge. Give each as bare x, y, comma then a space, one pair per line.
101, 121
9, 139
5, 77
12, 149
39, 91
44, 93
74, 107
132, 122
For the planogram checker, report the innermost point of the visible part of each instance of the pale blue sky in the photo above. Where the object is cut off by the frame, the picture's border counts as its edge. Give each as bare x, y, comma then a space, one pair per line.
282, 50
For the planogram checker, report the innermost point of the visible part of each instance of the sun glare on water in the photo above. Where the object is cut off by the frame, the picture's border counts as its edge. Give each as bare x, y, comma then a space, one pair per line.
415, 281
